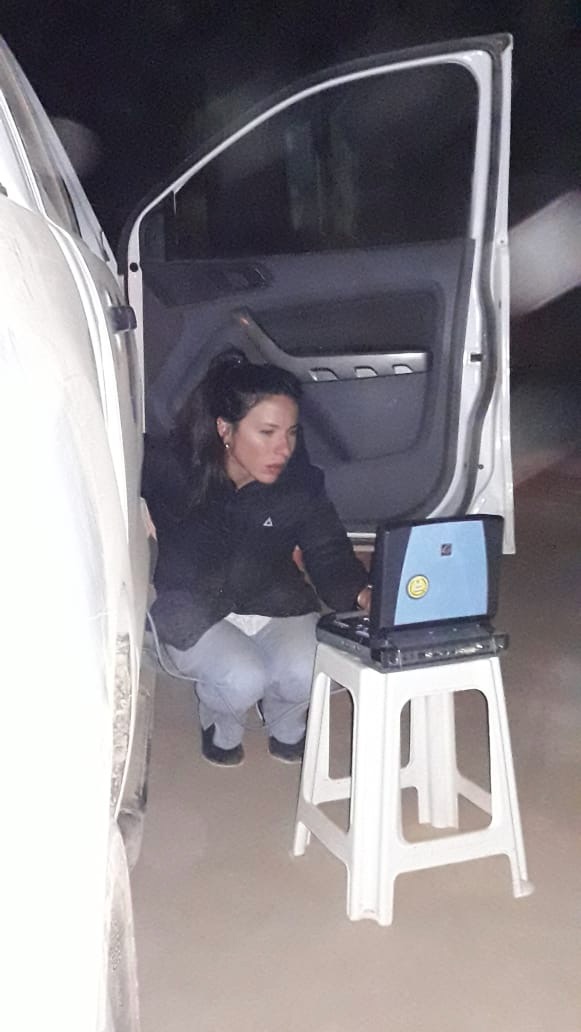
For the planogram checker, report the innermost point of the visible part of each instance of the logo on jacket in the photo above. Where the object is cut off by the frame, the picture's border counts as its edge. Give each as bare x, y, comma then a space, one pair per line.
268, 522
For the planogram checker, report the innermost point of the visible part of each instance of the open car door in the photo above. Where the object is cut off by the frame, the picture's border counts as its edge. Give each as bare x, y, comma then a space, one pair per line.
354, 231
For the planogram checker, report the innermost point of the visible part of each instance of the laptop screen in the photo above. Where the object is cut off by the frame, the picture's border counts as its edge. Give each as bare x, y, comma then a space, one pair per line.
438, 571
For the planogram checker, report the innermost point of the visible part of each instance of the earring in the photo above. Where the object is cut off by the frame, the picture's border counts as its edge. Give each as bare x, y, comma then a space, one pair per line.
226, 444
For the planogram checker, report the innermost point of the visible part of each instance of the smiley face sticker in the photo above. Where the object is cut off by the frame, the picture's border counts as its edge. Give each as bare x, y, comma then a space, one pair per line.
418, 586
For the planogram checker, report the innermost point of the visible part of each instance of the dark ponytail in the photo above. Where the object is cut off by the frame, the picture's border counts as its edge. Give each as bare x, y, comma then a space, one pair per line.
230, 388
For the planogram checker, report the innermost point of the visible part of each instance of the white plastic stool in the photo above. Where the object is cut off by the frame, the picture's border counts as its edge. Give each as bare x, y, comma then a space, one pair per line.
373, 849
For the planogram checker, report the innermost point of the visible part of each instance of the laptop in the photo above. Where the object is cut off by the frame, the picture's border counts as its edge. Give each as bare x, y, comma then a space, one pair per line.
435, 592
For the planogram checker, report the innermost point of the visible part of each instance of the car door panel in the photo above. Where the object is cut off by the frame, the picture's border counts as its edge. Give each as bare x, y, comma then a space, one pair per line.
296, 239
334, 342
350, 326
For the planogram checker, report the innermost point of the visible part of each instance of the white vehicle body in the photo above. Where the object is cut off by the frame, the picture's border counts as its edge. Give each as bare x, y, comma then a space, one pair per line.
74, 530
75, 584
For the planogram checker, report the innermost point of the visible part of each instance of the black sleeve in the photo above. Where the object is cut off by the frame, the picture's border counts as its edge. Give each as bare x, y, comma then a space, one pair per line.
328, 555
180, 619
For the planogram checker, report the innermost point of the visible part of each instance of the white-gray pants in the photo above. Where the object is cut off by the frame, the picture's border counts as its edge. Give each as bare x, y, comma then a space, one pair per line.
234, 670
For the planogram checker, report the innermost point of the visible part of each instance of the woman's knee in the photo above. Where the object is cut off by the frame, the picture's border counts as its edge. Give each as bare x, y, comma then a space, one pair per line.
295, 683
238, 685
295, 673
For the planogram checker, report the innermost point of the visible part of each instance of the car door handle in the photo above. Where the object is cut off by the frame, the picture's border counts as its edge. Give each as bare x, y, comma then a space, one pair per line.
121, 318
329, 367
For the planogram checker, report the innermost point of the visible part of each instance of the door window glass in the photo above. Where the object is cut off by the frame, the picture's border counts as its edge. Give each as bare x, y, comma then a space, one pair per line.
28, 117
376, 162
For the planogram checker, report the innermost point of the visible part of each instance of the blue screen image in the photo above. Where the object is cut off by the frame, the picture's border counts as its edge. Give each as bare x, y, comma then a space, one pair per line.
445, 565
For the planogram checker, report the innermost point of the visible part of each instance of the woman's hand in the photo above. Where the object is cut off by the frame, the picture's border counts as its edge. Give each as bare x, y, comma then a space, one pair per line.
364, 599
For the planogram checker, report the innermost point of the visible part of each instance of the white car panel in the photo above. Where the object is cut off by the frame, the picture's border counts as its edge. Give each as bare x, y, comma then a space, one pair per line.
64, 559
75, 582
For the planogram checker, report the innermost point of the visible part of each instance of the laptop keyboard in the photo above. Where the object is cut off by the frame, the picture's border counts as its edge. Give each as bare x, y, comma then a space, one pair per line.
410, 647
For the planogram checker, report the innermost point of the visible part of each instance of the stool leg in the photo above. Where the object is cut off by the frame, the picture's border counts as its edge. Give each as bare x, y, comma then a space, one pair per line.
315, 752
322, 761
442, 764
503, 781
375, 798
391, 824
416, 772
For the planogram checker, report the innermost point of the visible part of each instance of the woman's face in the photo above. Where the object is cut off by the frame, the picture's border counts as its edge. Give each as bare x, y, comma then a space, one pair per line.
260, 445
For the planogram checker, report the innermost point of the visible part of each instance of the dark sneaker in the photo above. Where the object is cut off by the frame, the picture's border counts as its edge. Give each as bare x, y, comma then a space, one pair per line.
220, 757
286, 752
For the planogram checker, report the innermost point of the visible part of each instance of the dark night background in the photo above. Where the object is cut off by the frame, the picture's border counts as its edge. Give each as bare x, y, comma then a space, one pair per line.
142, 75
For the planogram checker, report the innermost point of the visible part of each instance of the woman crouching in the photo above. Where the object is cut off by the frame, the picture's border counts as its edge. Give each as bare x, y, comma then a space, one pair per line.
233, 496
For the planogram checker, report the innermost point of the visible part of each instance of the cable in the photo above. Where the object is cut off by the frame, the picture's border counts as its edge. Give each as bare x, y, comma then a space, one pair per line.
161, 658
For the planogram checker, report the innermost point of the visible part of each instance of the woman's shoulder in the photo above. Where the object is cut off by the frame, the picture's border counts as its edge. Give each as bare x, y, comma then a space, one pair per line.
163, 458
166, 478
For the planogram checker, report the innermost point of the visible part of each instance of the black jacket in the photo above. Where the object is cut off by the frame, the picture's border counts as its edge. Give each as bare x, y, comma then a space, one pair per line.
234, 553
